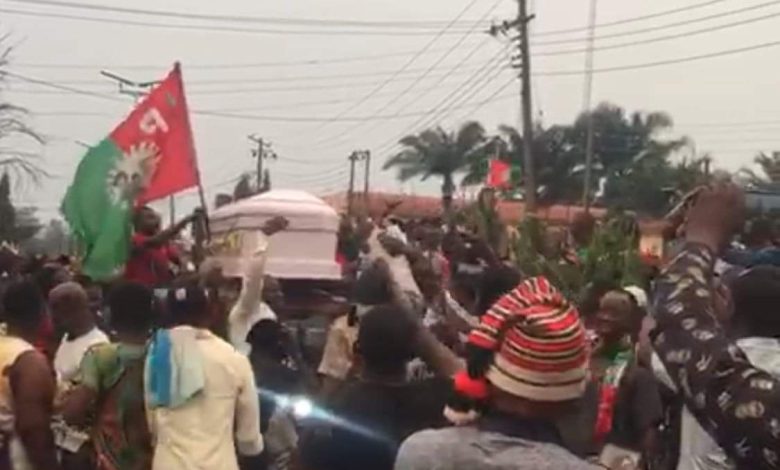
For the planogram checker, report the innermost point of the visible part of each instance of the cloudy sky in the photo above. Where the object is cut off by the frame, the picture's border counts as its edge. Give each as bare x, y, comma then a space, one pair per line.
367, 72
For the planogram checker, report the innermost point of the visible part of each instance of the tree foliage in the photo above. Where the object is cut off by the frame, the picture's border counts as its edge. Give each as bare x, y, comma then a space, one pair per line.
16, 225
632, 166
436, 152
769, 178
14, 131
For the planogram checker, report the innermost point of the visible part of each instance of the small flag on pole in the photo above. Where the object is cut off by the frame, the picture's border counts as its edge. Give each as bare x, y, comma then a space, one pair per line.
498, 174
147, 157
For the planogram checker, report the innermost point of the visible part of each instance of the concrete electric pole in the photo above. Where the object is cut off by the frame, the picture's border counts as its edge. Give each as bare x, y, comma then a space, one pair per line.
523, 62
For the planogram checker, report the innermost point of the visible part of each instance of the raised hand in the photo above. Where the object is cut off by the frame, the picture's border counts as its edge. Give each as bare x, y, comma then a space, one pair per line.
717, 214
274, 225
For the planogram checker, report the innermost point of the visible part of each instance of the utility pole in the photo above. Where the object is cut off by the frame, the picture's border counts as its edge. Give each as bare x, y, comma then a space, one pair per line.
367, 165
138, 90
262, 152
587, 97
526, 105
353, 158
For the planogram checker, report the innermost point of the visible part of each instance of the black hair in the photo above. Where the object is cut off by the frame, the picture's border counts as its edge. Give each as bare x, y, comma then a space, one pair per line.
372, 287
23, 305
496, 282
139, 211
756, 295
385, 340
268, 337
46, 277
187, 304
131, 307
759, 231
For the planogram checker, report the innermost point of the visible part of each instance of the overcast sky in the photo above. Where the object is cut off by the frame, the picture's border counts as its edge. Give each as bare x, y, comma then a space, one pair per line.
729, 104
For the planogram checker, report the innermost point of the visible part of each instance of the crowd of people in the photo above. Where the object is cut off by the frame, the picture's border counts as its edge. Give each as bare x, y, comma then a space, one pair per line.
439, 354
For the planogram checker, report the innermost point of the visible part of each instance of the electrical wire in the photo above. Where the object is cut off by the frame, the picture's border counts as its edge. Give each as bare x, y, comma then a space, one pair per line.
411, 86
463, 68
634, 32
408, 64
471, 81
640, 66
634, 19
213, 28
658, 63
685, 34
233, 65
298, 88
243, 18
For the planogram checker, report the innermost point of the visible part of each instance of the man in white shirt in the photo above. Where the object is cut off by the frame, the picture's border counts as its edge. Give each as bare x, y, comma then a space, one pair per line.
249, 308
69, 305
200, 392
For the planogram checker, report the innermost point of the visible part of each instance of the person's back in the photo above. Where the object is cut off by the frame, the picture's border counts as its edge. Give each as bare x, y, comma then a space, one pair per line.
514, 387
200, 392
10, 350
199, 434
381, 416
472, 447
26, 385
369, 417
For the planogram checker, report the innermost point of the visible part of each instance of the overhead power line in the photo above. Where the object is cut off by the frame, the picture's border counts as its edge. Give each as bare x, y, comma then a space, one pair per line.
633, 19
424, 24
293, 88
232, 65
430, 69
408, 64
658, 63
359, 119
215, 28
634, 32
685, 34
460, 69
467, 90
452, 98
416, 24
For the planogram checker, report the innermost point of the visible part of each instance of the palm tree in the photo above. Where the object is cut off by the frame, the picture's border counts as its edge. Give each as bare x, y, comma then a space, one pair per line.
553, 162
436, 152
770, 167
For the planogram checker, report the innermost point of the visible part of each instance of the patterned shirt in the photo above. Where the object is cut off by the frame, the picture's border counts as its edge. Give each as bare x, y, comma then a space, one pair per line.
735, 402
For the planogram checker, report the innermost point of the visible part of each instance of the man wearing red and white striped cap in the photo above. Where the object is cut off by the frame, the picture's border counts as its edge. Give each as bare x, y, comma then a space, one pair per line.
527, 362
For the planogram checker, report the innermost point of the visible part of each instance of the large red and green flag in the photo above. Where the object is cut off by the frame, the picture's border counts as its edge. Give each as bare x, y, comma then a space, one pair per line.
150, 155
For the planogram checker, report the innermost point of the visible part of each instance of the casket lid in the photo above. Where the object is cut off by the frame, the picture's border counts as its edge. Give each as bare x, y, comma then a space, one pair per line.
290, 203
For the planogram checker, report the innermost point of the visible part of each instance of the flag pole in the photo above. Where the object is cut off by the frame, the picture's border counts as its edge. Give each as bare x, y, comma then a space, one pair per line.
201, 192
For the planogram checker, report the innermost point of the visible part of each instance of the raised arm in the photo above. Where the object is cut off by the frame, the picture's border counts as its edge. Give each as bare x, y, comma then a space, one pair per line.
736, 402
169, 233
438, 356
252, 287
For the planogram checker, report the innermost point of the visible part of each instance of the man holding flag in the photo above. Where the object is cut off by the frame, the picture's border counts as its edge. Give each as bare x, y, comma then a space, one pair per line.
152, 256
149, 156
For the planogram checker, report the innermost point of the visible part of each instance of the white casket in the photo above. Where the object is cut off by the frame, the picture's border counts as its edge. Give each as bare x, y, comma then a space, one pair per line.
305, 250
